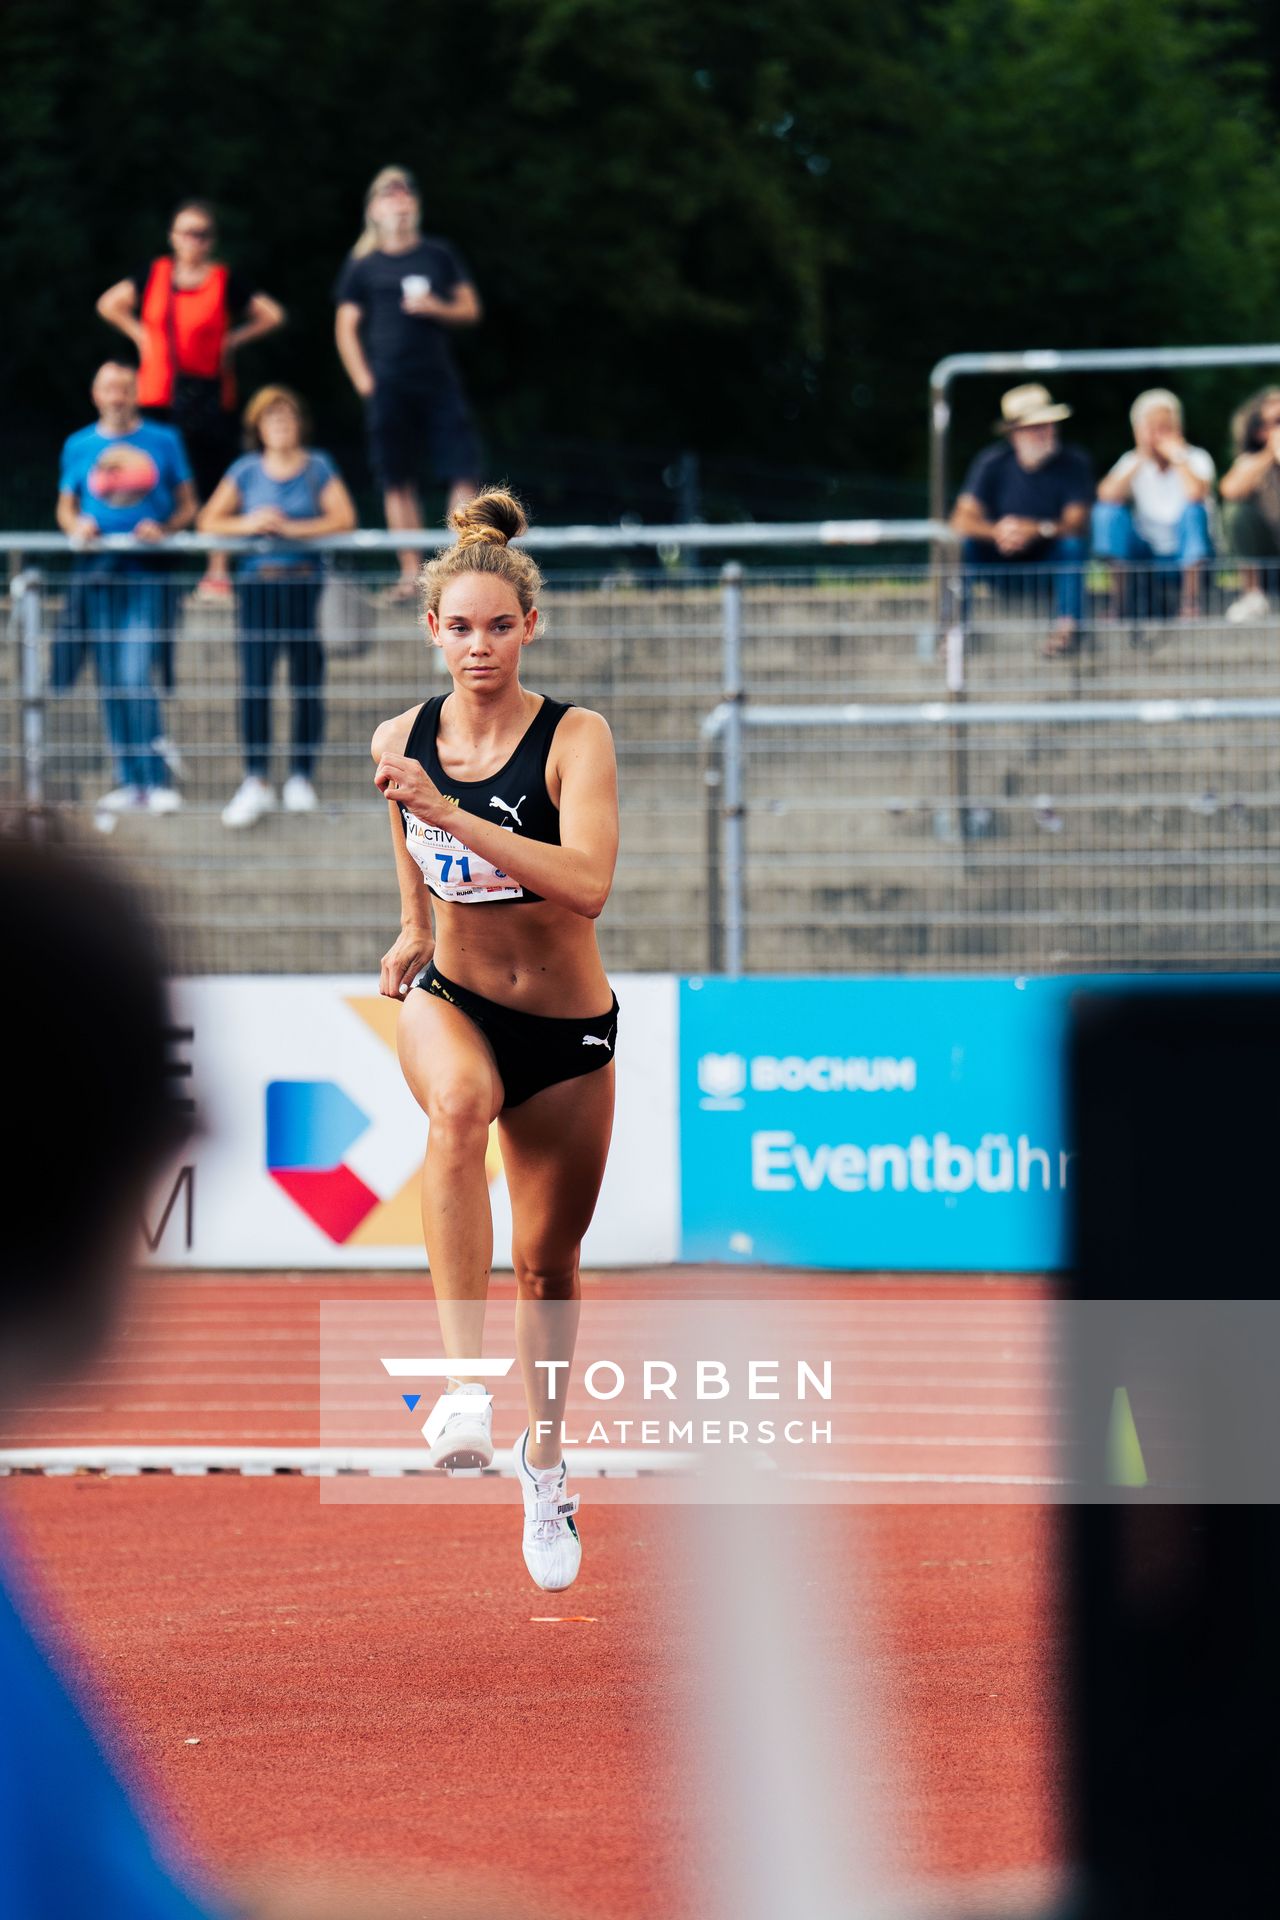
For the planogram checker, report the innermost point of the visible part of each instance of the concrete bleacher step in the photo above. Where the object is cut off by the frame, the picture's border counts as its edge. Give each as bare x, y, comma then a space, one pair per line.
853, 858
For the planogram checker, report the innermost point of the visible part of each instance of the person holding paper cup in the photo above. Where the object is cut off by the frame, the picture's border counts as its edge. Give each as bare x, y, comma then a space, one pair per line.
399, 296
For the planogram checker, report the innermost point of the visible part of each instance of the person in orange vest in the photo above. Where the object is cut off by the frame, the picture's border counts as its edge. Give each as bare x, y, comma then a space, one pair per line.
188, 315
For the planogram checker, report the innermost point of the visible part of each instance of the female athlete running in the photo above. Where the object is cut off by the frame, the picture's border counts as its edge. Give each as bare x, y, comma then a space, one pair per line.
504, 816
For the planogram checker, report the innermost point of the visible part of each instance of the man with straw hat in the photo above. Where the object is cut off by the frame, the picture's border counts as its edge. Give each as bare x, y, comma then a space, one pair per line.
1023, 511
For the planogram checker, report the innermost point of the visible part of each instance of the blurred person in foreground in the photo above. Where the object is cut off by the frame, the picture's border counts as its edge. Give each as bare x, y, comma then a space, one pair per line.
1153, 506
1250, 491
76, 1840
398, 297
125, 475
72, 1841
291, 495
188, 316
1023, 510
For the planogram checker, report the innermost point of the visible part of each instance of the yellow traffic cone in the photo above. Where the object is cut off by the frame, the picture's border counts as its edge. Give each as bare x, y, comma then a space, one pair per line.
1125, 1464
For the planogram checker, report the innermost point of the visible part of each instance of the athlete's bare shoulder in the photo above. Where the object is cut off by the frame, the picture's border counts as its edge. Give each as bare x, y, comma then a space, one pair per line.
392, 736
582, 727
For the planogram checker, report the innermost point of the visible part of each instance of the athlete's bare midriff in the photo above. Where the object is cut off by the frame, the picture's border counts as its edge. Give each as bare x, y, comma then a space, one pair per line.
532, 955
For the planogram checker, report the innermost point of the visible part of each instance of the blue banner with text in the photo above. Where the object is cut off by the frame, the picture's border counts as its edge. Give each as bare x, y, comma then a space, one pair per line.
880, 1123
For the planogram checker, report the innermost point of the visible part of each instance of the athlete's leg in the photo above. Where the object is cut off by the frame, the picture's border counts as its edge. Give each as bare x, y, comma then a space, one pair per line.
554, 1149
449, 1066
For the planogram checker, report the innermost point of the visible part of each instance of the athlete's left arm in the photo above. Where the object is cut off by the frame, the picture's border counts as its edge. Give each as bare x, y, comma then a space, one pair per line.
577, 874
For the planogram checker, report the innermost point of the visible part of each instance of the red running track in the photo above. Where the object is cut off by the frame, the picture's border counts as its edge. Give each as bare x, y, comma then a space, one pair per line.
368, 1684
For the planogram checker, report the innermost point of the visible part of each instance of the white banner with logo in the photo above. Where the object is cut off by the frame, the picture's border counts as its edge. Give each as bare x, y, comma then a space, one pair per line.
310, 1145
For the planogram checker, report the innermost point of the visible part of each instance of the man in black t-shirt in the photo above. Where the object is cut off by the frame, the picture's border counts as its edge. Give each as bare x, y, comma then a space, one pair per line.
398, 296
1025, 506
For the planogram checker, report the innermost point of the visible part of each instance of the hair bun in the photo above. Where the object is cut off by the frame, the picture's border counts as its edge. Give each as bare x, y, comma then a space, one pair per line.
491, 519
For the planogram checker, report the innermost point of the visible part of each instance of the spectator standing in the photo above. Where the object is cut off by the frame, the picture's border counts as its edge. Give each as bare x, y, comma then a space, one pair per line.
1024, 508
125, 475
1251, 498
291, 495
398, 297
188, 315
1153, 506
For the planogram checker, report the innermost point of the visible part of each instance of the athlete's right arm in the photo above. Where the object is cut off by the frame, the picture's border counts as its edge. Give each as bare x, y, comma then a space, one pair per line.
416, 940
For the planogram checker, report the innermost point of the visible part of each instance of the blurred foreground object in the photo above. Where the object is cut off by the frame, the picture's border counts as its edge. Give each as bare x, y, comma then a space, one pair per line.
1175, 1686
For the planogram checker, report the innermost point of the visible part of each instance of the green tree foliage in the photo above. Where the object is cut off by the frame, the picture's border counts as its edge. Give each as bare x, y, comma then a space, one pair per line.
740, 227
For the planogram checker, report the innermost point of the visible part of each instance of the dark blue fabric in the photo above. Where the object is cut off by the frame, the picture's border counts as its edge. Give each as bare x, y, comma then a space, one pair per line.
406, 346
1055, 563
278, 617
71, 1842
1004, 487
410, 428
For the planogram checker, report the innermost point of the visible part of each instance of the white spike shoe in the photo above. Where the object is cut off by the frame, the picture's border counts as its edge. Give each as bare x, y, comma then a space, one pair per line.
459, 1429
552, 1549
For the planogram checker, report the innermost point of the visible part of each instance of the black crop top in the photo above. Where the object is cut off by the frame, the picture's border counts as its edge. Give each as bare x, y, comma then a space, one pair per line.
516, 797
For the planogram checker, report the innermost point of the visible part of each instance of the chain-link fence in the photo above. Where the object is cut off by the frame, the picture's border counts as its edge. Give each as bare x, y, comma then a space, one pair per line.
988, 806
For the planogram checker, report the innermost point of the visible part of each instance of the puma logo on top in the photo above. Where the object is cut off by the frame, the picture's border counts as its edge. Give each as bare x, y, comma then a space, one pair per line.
514, 811
590, 1040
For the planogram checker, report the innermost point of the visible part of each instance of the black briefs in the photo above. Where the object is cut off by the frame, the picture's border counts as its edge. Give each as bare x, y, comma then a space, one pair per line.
532, 1050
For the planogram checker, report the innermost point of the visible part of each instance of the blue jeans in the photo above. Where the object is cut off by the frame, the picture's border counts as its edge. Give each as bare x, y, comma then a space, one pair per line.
1145, 584
1115, 537
124, 615
279, 617
1060, 561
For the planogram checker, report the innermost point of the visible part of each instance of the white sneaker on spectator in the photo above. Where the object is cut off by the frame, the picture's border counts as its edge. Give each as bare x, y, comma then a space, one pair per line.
169, 754
298, 794
1253, 605
121, 800
251, 799
163, 800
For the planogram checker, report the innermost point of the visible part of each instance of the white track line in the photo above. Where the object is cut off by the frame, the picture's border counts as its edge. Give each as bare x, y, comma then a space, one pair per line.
273, 1459
942, 1440
943, 1479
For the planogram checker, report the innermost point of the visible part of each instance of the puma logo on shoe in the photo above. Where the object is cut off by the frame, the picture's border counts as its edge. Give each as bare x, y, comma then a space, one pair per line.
591, 1040
513, 811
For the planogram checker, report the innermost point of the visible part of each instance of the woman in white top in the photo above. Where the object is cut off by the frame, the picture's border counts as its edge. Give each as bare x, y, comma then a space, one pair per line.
1152, 514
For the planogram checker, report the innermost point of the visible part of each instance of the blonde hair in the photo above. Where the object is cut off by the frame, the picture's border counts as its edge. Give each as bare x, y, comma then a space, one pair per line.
265, 398
484, 527
369, 240
1148, 402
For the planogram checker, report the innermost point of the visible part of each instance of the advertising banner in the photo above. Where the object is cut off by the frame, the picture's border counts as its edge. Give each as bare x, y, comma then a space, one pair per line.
874, 1123
865, 1123
310, 1145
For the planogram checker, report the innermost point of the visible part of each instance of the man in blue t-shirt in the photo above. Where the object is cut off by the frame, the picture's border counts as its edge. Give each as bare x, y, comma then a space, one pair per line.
1024, 508
125, 476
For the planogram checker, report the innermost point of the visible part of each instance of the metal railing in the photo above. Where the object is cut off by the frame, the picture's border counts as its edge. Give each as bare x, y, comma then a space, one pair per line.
627, 535
1032, 360
872, 794
1060, 869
